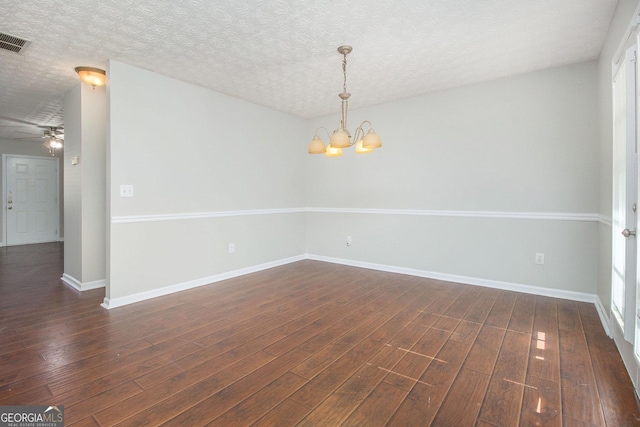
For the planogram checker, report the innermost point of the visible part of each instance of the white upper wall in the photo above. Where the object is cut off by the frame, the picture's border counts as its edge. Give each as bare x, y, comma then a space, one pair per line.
187, 149
521, 144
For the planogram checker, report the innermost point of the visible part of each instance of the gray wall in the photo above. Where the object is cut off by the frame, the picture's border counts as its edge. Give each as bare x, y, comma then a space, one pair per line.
85, 183
73, 184
471, 182
208, 170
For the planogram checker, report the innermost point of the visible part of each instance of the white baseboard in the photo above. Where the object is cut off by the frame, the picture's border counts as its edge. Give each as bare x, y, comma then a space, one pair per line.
110, 303
61, 240
527, 289
79, 286
604, 317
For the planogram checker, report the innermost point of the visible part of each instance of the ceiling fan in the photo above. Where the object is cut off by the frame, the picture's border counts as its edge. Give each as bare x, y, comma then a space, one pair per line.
12, 129
53, 137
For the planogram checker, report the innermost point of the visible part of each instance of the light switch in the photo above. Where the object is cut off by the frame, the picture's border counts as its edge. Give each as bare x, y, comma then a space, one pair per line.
126, 190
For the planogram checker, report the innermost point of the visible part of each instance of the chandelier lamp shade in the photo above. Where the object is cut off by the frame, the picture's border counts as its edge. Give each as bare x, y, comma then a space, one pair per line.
92, 76
341, 138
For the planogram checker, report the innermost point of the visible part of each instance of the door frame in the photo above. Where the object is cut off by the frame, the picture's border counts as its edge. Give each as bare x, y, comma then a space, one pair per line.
4, 179
626, 318
627, 350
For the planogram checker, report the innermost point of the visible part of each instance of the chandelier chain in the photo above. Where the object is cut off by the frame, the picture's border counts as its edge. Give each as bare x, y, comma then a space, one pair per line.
344, 73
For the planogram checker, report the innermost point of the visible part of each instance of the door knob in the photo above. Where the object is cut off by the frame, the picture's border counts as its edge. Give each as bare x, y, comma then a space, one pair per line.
626, 232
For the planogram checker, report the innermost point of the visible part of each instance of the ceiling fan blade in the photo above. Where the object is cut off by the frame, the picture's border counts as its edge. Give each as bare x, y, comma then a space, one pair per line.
24, 122
52, 128
28, 133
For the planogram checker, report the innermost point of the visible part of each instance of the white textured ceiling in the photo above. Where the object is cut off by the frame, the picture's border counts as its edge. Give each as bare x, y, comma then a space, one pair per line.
282, 53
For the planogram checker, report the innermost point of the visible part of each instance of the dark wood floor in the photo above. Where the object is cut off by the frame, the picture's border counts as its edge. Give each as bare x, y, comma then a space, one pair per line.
305, 344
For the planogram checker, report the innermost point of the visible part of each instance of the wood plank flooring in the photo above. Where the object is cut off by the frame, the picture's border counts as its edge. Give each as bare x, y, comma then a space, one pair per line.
306, 344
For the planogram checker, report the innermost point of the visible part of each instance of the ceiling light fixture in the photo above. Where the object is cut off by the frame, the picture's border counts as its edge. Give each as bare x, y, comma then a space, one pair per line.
53, 143
54, 137
92, 76
341, 138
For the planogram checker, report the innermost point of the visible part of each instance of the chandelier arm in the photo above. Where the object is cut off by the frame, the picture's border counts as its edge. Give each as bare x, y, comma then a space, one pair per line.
357, 135
325, 129
359, 132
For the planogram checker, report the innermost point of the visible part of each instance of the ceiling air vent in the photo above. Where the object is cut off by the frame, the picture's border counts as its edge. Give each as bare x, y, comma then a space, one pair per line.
13, 43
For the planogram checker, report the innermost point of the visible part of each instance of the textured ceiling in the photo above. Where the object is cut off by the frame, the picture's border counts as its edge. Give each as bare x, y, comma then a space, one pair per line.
282, 53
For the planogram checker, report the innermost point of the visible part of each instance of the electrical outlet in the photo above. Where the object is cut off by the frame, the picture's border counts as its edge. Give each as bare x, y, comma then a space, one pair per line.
232, 248
349, 241
539, 259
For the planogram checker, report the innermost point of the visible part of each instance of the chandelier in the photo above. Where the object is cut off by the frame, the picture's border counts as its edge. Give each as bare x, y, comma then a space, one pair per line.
341, 138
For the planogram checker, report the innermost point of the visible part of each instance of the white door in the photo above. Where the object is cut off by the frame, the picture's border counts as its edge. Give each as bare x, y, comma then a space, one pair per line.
625, 195
31, 200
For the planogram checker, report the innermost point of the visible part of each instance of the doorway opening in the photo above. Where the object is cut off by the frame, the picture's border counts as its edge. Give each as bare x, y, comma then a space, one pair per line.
31, 199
